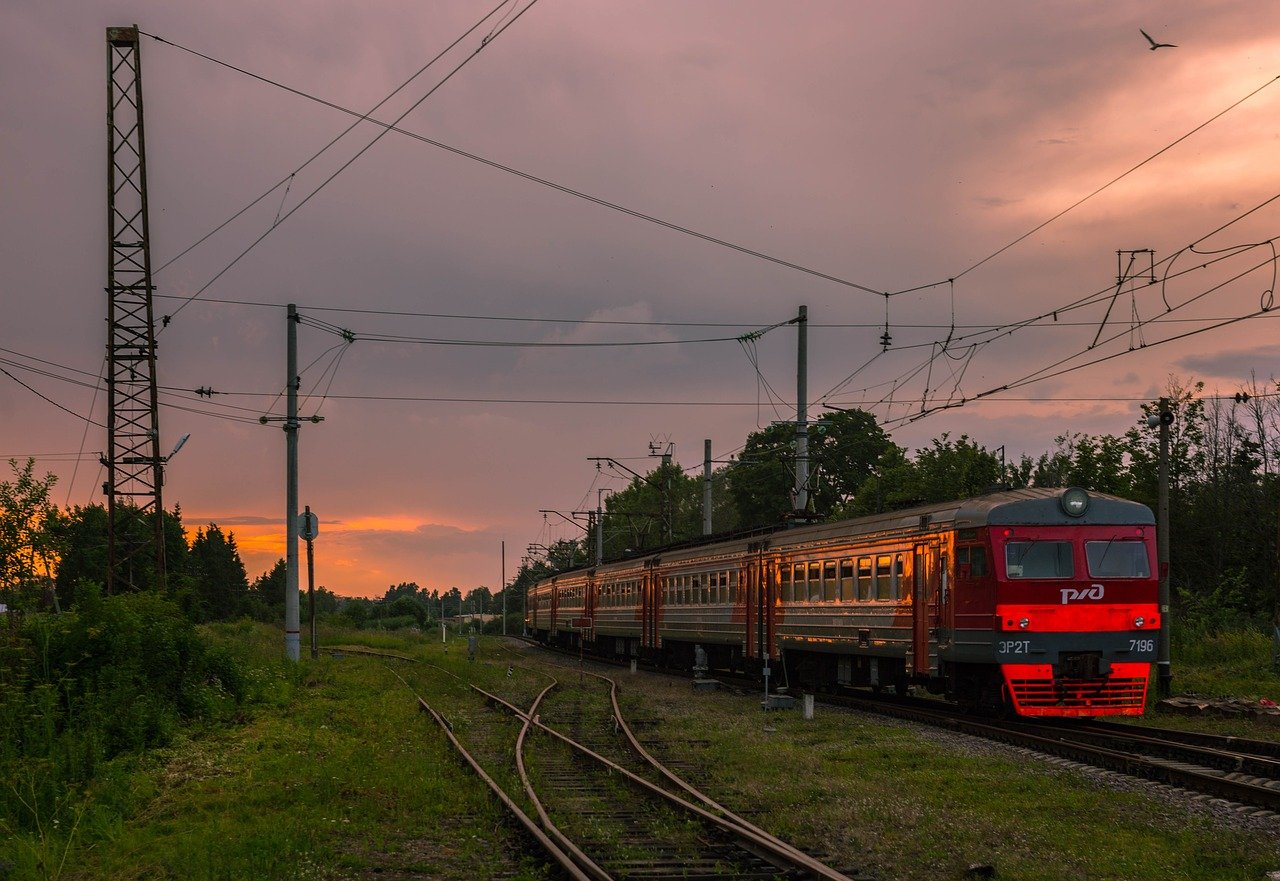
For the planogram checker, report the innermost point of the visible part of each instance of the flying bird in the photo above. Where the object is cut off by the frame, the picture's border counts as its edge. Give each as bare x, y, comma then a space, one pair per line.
1154, 44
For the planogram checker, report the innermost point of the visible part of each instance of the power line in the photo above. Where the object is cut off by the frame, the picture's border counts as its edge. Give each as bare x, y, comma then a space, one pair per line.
832, 325
532, 178
287, 181
352, 336
44, 397
349, 162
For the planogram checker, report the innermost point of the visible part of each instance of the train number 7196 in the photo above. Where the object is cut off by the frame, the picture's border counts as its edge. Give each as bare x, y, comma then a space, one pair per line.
1142, 645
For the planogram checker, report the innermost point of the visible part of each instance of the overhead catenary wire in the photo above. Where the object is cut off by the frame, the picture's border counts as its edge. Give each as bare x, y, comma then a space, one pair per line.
1028, 380
352, 336
1108, 292
828, 325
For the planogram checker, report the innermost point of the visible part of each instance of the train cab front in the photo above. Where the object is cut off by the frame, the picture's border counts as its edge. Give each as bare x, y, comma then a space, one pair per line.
1077, 617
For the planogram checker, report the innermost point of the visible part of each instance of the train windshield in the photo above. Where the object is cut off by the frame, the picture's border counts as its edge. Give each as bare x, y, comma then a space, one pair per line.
1038, 559
1117, 559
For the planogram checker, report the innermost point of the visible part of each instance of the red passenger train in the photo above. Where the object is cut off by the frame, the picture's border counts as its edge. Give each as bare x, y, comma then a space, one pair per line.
1041, 601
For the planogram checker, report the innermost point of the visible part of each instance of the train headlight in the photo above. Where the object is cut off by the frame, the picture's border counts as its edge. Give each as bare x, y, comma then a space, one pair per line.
1024, 623
1074, 502
1139, 621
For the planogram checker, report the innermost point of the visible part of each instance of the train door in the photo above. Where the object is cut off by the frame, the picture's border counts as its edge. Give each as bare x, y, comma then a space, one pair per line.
757, 610
754, 637
649, 610
925, 608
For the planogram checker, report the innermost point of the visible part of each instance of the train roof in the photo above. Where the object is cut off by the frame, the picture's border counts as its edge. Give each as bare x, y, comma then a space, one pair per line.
1012, 507
1036, 506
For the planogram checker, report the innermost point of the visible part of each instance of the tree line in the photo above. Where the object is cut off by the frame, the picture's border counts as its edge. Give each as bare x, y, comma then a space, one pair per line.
1224, 470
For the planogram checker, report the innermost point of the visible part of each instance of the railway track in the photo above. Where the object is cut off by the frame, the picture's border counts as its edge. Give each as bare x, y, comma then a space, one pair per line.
593, 800
1241, 771
602, 797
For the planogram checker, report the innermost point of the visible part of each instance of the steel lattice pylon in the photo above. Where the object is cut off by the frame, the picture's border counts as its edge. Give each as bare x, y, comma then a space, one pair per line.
135, 470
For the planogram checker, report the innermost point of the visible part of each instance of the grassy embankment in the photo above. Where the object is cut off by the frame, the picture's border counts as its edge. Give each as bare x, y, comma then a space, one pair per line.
334, 774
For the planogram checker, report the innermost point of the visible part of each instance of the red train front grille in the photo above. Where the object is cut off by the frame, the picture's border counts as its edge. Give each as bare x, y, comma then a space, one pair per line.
1045, 697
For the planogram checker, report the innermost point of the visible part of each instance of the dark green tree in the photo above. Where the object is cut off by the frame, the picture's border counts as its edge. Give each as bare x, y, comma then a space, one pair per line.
355, 611
404, 588
655, 509
846, 449
266, 595
29, 545
762, 480
82, 534
217, 575
403, 605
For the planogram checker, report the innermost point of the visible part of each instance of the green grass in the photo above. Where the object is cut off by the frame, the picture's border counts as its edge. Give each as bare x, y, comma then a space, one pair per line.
331, 773
906, 803
345, 779
1236, 663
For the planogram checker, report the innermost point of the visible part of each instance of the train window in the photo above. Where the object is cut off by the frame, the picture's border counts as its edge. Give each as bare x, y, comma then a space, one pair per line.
815, 582
846, 580
784, 582
901, 585
864, 578
1038, 559
1117, 559
733, 587
830, 587
799, 590
884, 578
973, 556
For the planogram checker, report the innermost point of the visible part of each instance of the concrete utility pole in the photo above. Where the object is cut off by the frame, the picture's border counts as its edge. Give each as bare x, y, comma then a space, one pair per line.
706, 487
1163, 419
504, 588
292, 627
802, 412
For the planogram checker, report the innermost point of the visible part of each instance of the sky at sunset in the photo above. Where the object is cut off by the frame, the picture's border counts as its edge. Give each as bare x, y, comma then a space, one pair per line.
870, 148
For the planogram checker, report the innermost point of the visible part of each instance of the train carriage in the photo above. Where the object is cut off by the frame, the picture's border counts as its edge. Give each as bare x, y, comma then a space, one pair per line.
618, 626
1043, 601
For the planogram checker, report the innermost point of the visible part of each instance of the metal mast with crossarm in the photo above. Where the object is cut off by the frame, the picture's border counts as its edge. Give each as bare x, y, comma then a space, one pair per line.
135, 469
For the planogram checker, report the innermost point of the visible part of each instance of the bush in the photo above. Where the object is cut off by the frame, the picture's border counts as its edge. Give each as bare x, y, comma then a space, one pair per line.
117, 674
